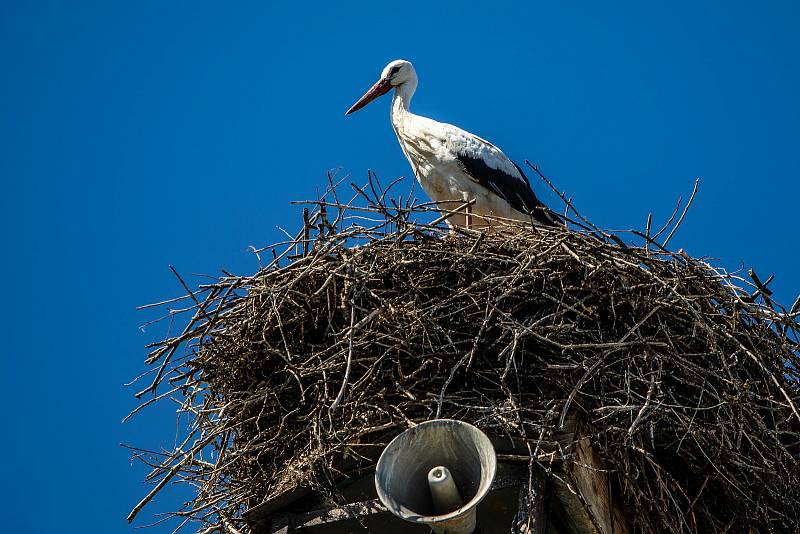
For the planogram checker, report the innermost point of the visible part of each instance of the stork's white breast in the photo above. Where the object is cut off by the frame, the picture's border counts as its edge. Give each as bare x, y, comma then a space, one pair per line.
431, 148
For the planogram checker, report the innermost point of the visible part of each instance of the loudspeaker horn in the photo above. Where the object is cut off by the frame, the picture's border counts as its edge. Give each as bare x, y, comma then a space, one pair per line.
436, 473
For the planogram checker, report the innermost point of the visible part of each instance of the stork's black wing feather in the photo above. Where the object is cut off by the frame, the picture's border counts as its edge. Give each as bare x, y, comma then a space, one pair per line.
515, 190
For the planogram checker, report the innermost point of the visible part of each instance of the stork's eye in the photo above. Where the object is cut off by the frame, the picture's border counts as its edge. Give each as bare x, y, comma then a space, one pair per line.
394, 70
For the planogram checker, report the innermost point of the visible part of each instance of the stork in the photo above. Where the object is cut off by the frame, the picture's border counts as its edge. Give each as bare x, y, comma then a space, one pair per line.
453, 166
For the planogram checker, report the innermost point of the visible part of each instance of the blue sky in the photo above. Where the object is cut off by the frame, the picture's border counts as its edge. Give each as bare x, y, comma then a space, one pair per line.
134, 135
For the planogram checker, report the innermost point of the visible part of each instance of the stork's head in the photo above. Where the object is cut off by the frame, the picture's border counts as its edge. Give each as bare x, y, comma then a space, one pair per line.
394, 74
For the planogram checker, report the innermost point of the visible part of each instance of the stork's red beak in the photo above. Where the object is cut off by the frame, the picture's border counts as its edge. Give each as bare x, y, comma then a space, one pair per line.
381, 87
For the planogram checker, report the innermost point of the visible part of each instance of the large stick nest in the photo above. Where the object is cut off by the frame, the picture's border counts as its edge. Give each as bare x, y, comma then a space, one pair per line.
367, 322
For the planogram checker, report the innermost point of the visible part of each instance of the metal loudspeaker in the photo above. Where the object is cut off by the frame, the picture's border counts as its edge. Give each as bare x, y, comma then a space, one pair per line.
436, 474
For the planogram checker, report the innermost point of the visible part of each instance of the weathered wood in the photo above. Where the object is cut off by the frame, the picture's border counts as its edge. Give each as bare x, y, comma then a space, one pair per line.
258, 517
589, 505
591, 479
344, 512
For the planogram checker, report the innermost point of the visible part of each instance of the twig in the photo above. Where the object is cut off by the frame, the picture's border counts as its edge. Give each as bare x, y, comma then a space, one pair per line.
685, 210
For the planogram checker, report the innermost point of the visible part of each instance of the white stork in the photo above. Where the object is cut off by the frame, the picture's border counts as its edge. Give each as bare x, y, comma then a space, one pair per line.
454, 166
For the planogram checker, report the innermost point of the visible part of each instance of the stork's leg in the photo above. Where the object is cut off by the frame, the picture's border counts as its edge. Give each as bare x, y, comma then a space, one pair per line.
468, 217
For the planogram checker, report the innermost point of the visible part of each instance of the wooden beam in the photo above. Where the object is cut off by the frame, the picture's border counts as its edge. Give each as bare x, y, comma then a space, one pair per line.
589, 505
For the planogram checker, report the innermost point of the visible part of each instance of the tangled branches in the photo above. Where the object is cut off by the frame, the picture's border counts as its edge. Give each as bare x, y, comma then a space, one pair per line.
366, 322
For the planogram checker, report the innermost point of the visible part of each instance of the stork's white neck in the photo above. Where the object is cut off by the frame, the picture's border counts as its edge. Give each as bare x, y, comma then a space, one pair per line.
403, 121
402, 100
